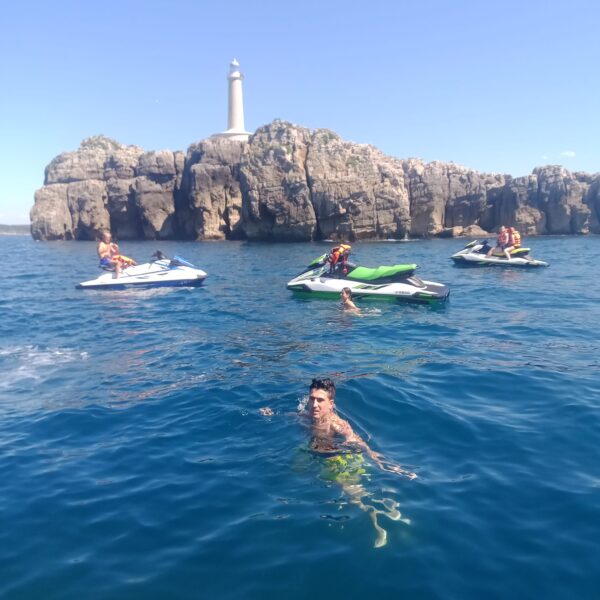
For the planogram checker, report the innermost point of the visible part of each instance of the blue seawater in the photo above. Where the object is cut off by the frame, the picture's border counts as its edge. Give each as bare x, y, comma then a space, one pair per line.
135, 463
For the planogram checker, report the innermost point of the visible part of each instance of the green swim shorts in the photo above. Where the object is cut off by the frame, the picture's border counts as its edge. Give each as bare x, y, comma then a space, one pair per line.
344, 468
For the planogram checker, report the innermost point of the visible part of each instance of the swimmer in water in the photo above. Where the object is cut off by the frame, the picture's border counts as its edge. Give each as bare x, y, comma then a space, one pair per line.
333, 438
347, 303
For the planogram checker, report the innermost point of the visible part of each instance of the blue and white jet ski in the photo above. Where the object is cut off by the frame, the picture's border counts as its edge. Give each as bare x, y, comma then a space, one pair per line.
475, 254
159, 272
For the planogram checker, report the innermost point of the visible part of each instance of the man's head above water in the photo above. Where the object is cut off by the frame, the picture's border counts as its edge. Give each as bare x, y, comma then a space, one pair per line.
323, 384
321, 399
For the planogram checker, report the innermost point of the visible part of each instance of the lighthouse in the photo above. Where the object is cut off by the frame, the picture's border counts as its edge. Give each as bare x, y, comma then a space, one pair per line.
235, 113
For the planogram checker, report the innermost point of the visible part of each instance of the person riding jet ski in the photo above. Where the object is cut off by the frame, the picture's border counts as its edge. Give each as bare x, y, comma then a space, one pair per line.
479, 253
160, 271
501, 243
110, 255
509, 239
514, 238
338, 258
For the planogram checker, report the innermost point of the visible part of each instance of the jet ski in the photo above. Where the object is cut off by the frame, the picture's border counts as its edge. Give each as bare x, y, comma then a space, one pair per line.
395, 283
475, 254
159, 272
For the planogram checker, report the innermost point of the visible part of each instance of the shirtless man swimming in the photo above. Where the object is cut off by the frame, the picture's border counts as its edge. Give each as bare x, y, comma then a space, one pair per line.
342, 449
330, 431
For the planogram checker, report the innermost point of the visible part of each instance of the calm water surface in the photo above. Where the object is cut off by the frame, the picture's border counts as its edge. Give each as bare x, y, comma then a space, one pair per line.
134, 462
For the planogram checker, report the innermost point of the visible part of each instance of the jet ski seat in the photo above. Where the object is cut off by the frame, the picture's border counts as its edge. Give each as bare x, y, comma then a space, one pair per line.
373, 273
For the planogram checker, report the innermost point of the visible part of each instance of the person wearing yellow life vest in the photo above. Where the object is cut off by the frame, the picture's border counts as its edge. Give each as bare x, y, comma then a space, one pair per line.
109, 255
514, 241
514, 238
339, 252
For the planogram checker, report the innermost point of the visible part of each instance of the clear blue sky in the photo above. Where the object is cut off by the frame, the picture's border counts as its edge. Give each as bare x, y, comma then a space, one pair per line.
496, 86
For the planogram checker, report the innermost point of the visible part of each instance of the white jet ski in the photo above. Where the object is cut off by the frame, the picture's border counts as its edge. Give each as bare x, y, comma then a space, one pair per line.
394, 283
160, 272
475, 254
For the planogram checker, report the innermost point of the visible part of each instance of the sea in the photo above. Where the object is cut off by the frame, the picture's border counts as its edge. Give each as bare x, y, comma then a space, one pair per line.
135, 462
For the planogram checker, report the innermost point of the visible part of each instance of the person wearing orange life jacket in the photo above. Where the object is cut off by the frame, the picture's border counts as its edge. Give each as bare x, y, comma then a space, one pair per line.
339, 252
109, 255
501, 242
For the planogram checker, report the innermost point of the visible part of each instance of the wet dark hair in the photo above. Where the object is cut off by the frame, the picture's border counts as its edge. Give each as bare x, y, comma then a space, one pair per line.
348, 291
323, 384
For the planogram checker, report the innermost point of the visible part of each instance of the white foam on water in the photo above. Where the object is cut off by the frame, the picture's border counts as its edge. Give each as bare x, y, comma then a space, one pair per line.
33, 362
302, 404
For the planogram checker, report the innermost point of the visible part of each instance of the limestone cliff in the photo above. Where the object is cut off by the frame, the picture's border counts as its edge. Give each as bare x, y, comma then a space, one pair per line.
288, 183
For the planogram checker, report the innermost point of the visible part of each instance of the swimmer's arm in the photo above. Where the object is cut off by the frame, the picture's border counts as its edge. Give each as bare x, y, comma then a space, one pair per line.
379, 459
385, 465
344, 428
266, 411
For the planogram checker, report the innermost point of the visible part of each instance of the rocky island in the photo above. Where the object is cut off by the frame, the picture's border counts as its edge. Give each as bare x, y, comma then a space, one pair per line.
289, 183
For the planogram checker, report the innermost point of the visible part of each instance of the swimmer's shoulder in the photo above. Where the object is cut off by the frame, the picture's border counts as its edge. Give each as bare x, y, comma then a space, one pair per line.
341, 426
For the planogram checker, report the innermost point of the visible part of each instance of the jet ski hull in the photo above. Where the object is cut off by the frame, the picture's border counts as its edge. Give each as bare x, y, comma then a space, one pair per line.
480, 260
148, 275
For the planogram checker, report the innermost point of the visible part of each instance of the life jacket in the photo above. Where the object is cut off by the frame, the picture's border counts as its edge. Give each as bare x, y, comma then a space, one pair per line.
342, 251
342, 248
339, 251
516, 236
124, 260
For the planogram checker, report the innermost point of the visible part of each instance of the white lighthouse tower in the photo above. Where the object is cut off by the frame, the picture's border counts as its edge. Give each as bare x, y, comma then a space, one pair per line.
235, 113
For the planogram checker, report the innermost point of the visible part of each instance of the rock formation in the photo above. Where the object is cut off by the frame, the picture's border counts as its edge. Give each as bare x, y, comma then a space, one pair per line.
211, 202
288, 183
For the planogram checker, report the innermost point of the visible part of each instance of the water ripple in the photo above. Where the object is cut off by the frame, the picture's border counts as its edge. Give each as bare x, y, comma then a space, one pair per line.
131, 442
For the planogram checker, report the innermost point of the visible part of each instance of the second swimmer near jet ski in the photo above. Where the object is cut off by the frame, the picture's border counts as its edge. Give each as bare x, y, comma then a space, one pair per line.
328, 274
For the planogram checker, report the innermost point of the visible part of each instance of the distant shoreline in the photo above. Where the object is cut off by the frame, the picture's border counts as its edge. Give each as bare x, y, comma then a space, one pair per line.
15, 230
